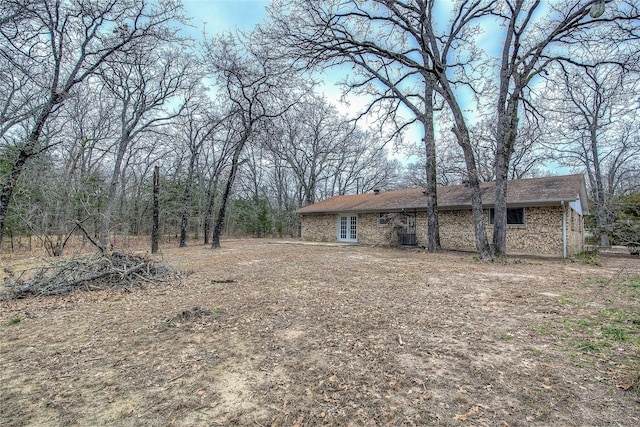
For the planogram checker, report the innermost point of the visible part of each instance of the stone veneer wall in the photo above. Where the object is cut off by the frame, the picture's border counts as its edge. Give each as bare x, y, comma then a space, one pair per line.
319, 227
575, 232
370, 233
456, 230
324, 228
541, 234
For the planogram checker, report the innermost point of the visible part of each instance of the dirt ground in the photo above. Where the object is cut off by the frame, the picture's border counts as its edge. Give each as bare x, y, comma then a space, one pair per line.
272, 332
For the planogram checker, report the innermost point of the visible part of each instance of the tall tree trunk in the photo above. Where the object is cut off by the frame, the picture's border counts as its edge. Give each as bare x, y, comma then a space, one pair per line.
208, 214
156, 210
184, 223
433, 228
500, 206
113, 190
598, 191
217, 229
505, 145
211, 199
186, 200
477, 210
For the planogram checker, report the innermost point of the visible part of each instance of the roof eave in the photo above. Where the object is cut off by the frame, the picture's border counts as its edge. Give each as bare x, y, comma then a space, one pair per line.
518, 203
365, 210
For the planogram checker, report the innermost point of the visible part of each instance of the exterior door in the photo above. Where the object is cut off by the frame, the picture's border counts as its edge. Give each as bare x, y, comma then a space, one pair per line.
408, 235
347, 228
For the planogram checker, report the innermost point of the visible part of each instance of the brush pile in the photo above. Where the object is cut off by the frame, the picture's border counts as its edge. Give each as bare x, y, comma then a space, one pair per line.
103, 270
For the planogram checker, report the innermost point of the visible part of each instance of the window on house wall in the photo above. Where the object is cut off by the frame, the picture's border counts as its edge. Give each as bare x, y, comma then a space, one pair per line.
384, 218
515, 216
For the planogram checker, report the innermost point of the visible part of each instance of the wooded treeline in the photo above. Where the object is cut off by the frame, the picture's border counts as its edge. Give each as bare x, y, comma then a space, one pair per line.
94, 94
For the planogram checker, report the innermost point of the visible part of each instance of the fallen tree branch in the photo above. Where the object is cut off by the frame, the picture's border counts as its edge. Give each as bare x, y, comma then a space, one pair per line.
101, 248
102, 270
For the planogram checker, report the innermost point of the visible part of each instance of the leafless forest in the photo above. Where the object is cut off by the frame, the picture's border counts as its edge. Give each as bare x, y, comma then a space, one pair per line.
94, 94
119, 120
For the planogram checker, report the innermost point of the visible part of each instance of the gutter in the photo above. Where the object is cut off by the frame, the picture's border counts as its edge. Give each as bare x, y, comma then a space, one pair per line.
517, 203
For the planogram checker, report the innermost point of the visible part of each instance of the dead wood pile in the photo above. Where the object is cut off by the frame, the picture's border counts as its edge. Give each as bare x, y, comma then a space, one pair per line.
103, 270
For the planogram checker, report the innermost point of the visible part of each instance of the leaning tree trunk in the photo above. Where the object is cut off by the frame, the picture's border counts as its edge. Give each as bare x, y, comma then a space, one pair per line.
477, 210
461, 131
24, 154
217, 229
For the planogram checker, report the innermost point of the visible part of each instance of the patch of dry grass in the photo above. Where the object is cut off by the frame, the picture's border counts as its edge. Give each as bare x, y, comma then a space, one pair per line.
284, 333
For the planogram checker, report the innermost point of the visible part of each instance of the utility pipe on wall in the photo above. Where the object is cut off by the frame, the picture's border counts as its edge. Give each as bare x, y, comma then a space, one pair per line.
564, 230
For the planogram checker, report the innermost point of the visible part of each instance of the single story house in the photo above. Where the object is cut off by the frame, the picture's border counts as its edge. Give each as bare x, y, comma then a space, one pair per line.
545, 217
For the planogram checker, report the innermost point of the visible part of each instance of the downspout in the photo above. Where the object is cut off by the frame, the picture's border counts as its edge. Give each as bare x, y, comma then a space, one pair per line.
582, 248
564, 230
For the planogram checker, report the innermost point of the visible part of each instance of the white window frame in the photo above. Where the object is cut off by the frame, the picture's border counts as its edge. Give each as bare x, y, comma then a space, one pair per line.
347, 228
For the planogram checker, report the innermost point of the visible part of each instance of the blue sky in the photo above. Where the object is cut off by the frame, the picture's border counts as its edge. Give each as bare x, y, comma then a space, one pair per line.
225, 15
228, 15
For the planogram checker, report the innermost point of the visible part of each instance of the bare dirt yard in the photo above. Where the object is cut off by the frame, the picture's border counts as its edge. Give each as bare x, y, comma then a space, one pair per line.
286, 333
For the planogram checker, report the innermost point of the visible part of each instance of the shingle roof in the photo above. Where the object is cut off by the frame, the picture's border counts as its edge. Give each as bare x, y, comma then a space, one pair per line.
533, 191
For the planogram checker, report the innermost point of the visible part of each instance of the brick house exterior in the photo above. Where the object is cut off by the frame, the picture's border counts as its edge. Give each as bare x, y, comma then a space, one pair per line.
545, 217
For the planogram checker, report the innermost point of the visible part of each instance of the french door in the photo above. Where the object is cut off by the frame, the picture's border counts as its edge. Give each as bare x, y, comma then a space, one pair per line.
347, 228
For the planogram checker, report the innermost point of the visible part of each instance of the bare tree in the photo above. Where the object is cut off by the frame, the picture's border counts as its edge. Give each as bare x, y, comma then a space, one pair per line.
534, 39
143, 85
272, 179
398, 46
594, 127
253, 185
328, 154
52, 46
285, 192
256, 88
18, 95
215, 157
364, 166
312, 139
377, 38
195, 128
